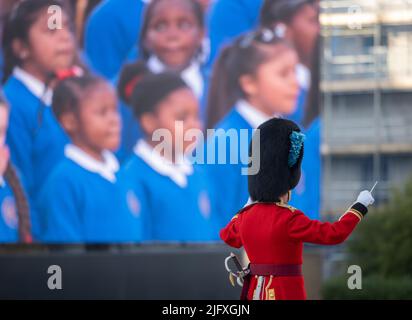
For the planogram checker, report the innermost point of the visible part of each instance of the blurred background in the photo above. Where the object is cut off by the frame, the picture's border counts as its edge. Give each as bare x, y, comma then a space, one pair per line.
366, 83
366, 94
356, 111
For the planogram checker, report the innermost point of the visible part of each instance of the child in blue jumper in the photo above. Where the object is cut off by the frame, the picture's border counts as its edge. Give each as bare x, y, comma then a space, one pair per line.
83, 200
179, 199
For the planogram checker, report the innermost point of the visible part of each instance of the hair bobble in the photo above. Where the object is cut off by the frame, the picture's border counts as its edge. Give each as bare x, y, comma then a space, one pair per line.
296, 144
280, 30
128, 90
267, 35
73, 72
247, 40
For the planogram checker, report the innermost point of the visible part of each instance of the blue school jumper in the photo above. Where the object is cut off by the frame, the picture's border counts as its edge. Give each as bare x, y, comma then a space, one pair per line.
112, 35
81, 206
8, 214
303, 76
230, 185
131, 132
228, 19
299, 113
180, 209
35, 138
306, 195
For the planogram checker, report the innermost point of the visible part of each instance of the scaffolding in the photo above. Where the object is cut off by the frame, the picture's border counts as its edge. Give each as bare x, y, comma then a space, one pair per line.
367, 98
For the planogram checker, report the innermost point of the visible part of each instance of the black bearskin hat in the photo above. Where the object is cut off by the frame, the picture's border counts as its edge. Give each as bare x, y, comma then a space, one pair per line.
279, 159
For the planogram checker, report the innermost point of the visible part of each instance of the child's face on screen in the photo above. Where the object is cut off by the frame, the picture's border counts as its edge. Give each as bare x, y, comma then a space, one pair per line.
47, 50
274, 87
178, 114
174, 34
305, 29
97, 126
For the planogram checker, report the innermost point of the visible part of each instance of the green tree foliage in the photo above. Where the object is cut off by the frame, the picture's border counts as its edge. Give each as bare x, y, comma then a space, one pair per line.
382, 247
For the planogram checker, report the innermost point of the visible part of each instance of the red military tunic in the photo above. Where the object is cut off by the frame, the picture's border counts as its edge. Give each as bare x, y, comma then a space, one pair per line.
273, 234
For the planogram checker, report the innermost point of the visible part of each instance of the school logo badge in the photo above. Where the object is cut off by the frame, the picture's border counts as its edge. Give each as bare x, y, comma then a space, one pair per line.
204, 204
133, 203
9, 213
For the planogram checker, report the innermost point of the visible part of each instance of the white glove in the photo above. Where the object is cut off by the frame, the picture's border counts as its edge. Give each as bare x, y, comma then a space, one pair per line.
365, 197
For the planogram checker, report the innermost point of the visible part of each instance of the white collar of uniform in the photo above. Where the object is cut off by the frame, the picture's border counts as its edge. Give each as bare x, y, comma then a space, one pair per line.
252, 115
176, 172
303, 75
106, 169
34, 85
2, 182
192, 75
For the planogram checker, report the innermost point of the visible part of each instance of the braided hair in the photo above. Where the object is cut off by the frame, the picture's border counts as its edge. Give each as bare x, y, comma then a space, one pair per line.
23, 210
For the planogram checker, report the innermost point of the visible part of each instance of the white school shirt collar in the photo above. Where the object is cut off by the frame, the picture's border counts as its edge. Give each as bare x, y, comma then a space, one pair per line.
192, 75
35, 86
106, 169
178, 173
252, 115
303, 75
2, 182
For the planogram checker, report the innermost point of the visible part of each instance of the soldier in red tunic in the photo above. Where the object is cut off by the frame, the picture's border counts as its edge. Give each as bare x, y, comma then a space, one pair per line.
271, 232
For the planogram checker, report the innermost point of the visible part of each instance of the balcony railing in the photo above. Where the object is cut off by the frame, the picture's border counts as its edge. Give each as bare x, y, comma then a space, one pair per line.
353, 13
339, 195
378, 64
393, 136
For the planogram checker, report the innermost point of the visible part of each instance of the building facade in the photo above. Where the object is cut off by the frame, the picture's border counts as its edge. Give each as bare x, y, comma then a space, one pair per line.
366, 99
